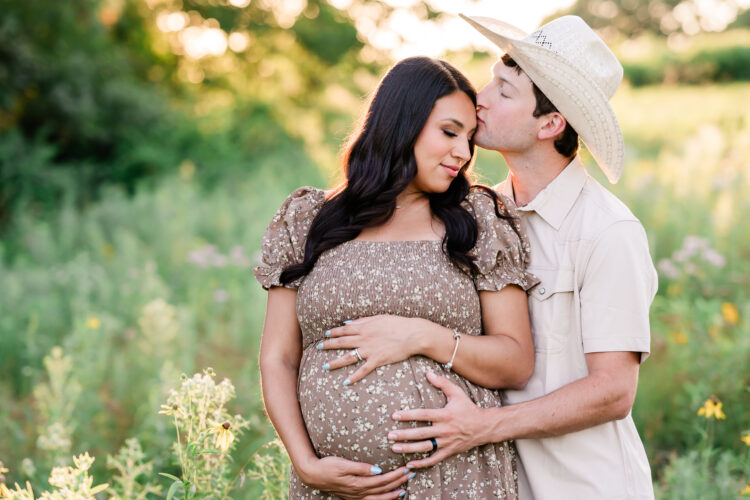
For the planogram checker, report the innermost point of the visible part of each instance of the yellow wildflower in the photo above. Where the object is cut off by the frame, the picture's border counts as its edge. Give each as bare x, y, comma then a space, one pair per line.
712, 408
730, 313
187, 170
5, 492
679, 337
108, 250
92, 322
746, 490
224, 436
746, 439
674, 290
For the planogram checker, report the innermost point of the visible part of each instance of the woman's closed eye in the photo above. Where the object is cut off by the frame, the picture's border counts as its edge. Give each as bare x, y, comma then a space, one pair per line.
449, 133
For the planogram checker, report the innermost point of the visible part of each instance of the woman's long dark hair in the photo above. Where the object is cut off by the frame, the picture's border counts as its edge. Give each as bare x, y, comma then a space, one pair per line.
379, 164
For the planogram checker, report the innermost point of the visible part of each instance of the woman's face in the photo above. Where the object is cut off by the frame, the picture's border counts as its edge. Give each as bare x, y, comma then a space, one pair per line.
442, 147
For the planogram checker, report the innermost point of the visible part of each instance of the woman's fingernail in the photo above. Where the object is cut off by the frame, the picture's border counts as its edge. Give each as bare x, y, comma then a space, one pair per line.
348, 321
402, 494
407, 471
396, 416
397, 448
326, 367
347, 382
319, 346
392, 436
376, 470
328, 333
411, 476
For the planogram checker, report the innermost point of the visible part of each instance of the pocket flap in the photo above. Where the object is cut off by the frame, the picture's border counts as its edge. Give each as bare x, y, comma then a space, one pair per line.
552, 281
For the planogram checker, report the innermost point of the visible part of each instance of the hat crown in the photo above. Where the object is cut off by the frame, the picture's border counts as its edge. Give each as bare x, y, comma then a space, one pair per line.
574, 40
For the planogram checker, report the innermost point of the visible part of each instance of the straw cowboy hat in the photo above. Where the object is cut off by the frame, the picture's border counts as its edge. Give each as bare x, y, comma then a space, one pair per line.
574, 68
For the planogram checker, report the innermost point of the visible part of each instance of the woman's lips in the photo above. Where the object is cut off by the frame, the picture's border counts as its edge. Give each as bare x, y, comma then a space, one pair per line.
452, 171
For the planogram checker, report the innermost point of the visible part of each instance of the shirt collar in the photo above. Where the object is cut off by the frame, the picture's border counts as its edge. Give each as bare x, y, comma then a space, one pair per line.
555, 201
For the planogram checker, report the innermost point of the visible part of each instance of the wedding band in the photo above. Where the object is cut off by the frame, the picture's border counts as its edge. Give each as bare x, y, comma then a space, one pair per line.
434, 444
355, 352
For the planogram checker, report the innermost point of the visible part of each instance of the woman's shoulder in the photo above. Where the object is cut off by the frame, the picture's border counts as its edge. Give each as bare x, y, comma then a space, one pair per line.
487, 204
300, 206
304, 198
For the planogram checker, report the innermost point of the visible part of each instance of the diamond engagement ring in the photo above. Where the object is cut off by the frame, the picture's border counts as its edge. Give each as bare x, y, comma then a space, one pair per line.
355, 352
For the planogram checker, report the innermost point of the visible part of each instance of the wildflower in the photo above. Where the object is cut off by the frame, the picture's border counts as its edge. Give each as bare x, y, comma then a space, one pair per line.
220, 295
224, 436
187, 170
746, 439
679, 338
108, 250
6, 493
745, 490
668, 269
730, 313
92, 323
712, 408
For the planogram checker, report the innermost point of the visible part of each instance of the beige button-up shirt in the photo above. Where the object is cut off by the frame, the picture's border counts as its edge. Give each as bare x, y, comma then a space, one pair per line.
597, 284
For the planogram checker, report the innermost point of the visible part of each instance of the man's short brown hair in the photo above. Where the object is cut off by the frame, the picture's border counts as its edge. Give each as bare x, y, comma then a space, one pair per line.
567, 142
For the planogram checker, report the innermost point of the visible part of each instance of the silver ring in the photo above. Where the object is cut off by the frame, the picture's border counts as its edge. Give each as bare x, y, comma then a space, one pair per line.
355, 352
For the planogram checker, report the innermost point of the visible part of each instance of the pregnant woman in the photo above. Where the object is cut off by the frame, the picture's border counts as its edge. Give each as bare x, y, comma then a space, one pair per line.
406, 234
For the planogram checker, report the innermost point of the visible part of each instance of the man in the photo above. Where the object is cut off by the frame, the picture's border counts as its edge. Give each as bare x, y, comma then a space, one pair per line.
572, 424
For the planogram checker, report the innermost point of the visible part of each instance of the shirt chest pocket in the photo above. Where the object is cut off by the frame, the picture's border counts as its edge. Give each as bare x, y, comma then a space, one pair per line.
551, 307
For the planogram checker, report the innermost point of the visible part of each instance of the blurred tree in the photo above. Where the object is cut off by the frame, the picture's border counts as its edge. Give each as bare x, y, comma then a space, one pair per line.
617, 19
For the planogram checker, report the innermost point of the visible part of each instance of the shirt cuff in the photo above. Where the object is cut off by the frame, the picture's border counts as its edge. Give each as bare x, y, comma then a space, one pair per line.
623, 344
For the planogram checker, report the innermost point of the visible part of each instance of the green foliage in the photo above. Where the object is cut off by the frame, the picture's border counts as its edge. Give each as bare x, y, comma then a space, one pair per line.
701, 63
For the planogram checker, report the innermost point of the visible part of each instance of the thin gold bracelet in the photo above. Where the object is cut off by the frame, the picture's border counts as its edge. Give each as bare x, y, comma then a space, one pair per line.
456, 336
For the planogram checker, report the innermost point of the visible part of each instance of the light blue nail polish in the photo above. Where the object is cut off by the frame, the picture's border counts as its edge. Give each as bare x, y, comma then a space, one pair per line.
376, 470
326, 367
347, 382
402, 494
412, 475
407, 471
348, 321
319, 346
328, 333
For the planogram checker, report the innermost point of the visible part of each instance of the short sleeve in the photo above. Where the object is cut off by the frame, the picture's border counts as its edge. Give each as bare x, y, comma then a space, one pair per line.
283, 243
619, 284
502, 251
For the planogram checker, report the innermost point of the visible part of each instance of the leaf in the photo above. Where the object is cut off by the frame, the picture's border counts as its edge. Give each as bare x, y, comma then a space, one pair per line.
99, 488
170, 476
173, 489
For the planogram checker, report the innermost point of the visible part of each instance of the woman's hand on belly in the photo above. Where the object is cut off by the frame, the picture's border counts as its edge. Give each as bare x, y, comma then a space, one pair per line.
380, 340
352, 480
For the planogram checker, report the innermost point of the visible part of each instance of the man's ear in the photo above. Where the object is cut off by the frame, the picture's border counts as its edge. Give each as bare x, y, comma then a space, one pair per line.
551, 125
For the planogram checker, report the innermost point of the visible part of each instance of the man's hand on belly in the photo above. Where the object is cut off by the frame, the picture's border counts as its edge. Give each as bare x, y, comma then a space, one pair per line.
457, 427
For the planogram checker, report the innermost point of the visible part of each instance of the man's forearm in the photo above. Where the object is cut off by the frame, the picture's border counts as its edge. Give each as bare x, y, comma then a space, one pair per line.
587, 402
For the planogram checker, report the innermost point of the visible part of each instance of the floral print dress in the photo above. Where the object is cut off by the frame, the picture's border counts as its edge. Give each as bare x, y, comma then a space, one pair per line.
406, 278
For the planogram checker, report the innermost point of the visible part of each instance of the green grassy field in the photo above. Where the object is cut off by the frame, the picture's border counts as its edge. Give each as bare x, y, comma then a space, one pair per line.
137, 290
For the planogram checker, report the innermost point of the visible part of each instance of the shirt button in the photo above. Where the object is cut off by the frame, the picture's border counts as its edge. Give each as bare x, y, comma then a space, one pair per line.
541, 291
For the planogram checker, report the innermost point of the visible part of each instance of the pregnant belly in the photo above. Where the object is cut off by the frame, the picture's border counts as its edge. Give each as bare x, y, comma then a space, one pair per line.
353, 421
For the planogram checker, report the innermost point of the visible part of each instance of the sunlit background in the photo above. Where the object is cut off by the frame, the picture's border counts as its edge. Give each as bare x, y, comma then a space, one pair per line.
145, 144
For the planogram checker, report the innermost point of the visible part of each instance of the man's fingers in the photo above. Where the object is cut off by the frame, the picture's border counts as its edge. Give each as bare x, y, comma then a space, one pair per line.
418, 414
429, 461
361, 372
414, 447
450, 389
342, 361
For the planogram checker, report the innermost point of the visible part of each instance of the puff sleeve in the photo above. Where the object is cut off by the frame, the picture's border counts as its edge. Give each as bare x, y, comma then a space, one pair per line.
283, 243
502, 251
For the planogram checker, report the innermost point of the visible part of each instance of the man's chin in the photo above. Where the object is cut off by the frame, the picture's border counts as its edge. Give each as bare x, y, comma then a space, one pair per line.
480, 142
